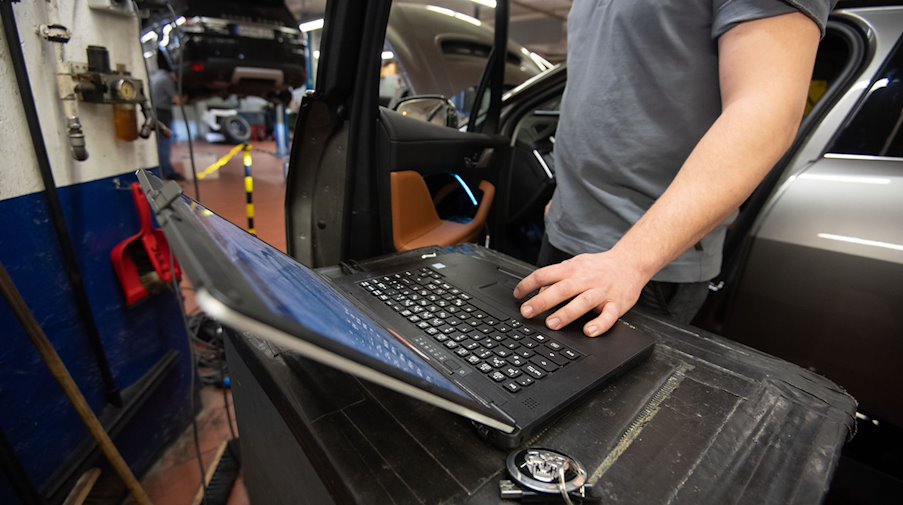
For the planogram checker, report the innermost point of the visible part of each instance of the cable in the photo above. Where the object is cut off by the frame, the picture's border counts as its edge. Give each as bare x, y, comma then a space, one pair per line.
562, 488
194, 372
181, 35
226, 403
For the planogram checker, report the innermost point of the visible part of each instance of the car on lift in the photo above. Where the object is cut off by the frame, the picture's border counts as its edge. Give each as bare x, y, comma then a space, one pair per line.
813, 263
231, 47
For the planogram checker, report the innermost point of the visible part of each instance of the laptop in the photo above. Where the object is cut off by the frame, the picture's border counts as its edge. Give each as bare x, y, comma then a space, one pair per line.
441, 327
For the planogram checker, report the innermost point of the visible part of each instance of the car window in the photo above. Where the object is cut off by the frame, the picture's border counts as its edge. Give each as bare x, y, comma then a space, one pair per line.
431, 50
876, 129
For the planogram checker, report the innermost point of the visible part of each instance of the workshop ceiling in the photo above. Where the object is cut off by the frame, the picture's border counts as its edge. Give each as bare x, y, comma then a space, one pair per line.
539, 25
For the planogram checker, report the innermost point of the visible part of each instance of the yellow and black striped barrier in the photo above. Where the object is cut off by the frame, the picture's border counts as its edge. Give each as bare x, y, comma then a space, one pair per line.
249, 189
249, 180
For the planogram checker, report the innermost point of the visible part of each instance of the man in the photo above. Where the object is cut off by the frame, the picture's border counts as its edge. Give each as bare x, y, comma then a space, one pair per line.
164, 96
674, 112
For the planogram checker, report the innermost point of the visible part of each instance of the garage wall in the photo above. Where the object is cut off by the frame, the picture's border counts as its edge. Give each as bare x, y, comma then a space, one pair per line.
47, 436
107, 155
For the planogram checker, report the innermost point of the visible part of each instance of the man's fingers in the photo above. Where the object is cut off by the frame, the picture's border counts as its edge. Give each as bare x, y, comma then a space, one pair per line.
543, 277
549, 298
604, 321
580, 305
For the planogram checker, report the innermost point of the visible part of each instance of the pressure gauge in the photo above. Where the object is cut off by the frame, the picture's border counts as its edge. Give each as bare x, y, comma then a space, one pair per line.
126, 90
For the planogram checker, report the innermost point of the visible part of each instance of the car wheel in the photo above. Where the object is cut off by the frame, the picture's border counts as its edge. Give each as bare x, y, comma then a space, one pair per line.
236, 129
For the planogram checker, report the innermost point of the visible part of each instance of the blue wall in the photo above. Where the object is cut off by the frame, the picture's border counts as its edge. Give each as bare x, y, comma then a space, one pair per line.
35, 415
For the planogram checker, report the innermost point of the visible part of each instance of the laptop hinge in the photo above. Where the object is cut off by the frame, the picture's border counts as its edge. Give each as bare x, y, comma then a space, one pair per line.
163, 197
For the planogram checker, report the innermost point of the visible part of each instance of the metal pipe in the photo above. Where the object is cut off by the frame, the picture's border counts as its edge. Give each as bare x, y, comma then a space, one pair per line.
79, 291
66, 89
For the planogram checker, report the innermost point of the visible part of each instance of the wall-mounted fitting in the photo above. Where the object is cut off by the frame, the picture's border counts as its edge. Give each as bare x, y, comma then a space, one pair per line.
98, 83
60, 35
121, 7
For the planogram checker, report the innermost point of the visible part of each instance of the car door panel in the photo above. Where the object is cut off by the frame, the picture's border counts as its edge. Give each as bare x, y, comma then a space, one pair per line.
338, 199
412, 150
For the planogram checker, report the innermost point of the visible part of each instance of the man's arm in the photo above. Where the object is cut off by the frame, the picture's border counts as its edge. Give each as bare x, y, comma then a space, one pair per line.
765, 69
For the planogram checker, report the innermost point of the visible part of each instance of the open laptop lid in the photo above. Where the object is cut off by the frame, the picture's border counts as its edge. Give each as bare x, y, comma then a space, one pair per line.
251, 286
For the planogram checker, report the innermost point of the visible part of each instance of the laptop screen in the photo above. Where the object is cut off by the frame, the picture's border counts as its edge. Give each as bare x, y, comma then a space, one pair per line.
299, 295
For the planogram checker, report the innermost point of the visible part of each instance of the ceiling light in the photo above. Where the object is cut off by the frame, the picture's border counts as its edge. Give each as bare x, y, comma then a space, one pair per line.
310, 26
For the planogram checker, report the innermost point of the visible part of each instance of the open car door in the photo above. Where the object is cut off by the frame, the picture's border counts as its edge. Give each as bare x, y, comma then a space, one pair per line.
364, 180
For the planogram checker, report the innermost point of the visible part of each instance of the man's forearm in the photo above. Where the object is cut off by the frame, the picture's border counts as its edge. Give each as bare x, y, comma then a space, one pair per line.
765, 70
724, 168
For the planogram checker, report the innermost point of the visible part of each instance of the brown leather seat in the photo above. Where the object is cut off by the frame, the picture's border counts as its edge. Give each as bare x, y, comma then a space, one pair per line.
415, 222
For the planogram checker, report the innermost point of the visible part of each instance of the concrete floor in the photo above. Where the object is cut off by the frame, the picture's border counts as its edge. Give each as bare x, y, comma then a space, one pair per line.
175, 478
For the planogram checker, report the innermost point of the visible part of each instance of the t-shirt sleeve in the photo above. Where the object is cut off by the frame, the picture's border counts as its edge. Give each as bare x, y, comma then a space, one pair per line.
730, 13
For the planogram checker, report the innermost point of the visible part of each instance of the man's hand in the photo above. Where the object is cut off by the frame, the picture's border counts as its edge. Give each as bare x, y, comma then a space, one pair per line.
600, 282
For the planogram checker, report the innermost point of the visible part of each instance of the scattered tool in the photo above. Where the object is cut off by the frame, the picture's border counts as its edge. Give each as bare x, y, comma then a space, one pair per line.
142, 262
545, 476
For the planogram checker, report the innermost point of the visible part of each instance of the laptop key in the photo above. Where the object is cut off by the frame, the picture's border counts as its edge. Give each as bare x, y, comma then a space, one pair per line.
501, 352
451, 344
570, 354
510, 344
512, 372
497, 376
470, 345
516, 360
496, 362
524, 380
541, 362
482, 353
484, 367
524, 353
555, 346
460, 351
553, 356
512, 386
533, 370
473, 359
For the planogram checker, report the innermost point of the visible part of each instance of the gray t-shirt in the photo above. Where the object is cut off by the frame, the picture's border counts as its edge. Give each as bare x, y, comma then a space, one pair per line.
642, 90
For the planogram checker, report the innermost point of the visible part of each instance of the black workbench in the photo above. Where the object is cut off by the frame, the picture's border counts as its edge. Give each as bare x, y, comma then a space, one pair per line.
703, 420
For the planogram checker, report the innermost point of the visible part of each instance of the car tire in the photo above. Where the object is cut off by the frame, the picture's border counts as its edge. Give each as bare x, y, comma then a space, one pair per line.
235, 129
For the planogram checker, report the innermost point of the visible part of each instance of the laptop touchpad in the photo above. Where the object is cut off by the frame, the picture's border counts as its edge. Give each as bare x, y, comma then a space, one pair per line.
502, 290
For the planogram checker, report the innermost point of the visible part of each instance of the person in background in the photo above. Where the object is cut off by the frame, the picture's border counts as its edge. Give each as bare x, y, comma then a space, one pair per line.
674, 111
164, 97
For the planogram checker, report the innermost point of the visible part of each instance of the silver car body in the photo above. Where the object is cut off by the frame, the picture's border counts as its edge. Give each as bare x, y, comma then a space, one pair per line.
822, 281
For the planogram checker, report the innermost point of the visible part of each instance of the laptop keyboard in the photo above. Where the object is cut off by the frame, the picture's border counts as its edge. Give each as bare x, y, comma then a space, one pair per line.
502, 348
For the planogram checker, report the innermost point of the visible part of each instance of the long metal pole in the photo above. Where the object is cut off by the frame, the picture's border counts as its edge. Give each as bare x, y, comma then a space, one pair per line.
62, 376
